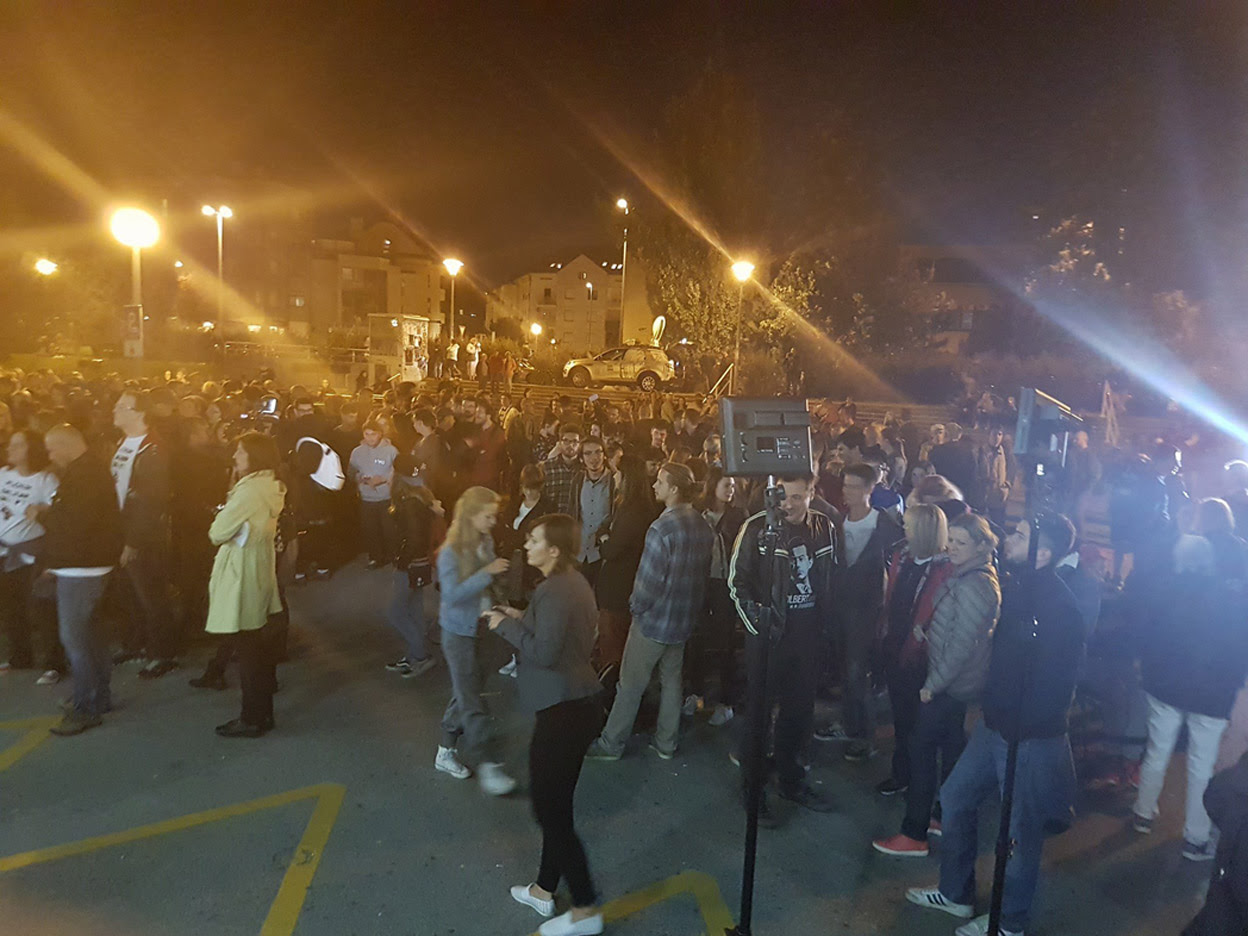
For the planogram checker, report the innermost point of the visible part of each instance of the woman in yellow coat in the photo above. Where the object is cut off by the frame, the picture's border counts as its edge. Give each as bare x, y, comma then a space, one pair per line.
243, 590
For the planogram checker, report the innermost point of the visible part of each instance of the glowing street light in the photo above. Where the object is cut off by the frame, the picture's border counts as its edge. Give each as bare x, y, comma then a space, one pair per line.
536, 329
453, 267
220, 214
742, 270
622, 204
136, 229
46, 267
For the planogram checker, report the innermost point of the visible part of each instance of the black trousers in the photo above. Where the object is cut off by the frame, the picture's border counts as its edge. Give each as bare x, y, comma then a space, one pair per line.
712, 650
903, 699
27, 618
939, 733
145, 589
561, 737
857, 712
257, 671
378, 529
791, 687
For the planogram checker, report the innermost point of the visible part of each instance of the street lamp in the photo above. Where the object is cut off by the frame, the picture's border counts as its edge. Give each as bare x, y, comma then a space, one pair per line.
136, 229
742, 270
46, 267
536, 329
220, 214
453, 267
622, 205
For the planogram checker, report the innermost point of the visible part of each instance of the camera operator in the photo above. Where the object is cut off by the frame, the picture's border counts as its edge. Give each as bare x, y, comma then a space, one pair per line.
801, 597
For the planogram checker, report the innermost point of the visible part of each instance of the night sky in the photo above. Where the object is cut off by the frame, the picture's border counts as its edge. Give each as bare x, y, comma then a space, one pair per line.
473, 124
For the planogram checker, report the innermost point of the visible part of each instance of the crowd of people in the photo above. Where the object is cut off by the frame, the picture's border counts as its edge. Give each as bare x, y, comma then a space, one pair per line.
605, 544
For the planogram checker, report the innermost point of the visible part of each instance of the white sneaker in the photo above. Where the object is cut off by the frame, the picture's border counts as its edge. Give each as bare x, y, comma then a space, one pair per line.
50, 678
509, 668
564, 926
933, 899
693, 705
447, 762
979, 927
722, 715
521, 893
493, 781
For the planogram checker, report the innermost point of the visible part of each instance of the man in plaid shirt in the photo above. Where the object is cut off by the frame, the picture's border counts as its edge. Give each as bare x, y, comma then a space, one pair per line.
561, 468
667, 599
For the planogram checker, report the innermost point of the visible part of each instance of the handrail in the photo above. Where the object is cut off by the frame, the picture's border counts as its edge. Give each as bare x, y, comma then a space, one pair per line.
713, 393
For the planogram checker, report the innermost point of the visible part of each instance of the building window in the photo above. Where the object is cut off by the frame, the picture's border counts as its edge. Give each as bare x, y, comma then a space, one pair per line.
298, 301
584, 276
348, 273
569, 294
592, 292
548, 295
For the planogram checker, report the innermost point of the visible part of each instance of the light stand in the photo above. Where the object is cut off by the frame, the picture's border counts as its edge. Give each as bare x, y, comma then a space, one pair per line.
759, 705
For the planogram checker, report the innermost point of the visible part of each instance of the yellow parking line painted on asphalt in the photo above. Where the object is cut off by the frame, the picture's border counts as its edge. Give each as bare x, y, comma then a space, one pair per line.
36, 732
284, 911
703, 887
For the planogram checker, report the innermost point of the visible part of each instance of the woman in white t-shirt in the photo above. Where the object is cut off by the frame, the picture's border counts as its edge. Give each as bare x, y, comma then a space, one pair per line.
26, 487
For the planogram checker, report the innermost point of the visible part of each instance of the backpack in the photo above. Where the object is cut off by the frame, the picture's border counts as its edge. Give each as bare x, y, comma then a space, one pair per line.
328, 472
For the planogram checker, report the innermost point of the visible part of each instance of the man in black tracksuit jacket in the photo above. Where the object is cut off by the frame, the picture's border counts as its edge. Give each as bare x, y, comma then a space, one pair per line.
801, 597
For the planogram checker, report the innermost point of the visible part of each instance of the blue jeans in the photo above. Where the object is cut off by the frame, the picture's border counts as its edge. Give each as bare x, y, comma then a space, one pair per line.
85, 646
1044, 785
407, 615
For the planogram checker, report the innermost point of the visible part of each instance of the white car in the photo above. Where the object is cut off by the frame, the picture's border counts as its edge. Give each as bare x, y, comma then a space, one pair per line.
644, 365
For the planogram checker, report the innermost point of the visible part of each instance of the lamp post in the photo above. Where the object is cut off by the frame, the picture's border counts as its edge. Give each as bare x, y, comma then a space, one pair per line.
622, 205
742, 270
221, 214
46, 267
453, 267
136, 229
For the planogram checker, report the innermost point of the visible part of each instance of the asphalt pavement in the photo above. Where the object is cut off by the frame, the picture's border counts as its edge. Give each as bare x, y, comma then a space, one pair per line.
336, 824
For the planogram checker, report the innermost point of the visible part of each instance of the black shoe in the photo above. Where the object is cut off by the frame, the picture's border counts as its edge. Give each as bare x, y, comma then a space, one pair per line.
240, 729
209, 681
891, 787
157, 668
806, 796
859, 751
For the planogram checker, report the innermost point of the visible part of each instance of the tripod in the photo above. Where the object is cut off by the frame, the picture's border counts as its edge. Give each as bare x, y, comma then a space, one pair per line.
759, 705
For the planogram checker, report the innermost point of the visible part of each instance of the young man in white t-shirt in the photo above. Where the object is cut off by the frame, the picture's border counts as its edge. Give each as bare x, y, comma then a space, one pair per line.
140, 470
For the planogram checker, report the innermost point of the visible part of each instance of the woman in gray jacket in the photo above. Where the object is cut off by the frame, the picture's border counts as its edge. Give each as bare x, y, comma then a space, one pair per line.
554, 638
959, 644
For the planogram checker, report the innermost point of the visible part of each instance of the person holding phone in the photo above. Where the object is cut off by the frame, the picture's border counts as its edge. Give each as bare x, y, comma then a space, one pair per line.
554, 638
466, 569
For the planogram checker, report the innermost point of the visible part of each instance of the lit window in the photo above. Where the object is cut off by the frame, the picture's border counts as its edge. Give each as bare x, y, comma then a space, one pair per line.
297, 301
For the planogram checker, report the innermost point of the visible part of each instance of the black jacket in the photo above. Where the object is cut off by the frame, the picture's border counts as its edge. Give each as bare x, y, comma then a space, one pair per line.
860, 587
83, 524
1194, 647
145, 517
621, 554
745, 568
1226, 908
1036, 672
413, 521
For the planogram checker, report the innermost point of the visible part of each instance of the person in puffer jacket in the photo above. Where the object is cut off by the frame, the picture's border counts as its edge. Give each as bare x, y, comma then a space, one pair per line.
959, 643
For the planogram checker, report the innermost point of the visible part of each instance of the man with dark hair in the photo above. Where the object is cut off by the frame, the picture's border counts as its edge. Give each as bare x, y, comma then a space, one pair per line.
140, 470
868, 535
955, 460
82, 545
654, 459
561, 467
659, 433
489, 448
593, 505
667, 599
372, 469
1037, 650
801, 600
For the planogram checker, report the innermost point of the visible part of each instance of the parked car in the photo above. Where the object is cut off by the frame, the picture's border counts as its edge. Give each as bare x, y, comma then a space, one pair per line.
644, 365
